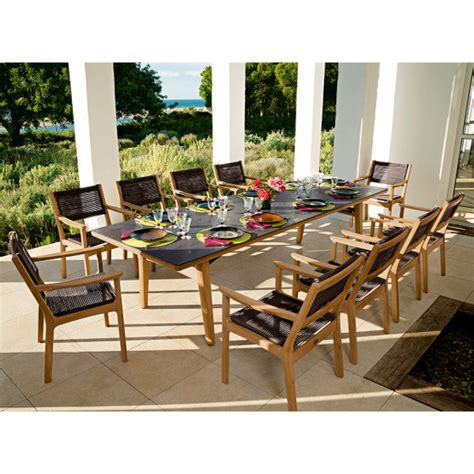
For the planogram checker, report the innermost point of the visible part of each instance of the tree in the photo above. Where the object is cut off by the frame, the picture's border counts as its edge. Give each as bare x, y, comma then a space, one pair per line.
205, 88
138, 92
32, 92
330, 94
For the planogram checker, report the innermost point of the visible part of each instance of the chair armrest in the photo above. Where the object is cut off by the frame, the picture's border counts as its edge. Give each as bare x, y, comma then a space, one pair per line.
258, 305
223, 184
360, 178
70, 253
120, 210
71, 223
400, 220
182, 194
416, 208
312, 261
397, 185
351, 243
296, 269
362, 237
79, 281
134, 207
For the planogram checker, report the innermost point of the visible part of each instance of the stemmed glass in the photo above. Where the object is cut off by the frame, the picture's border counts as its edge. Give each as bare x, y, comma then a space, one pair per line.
223, 200
258, 205
248, 201
334, 180
172, 213
158, 216
211, 205
221, 215
184, 224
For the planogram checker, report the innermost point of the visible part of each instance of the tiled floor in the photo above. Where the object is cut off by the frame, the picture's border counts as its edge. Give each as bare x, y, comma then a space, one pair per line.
171, 368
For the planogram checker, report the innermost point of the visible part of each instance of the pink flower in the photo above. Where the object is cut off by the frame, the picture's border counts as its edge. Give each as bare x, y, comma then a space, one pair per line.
277, 184
256, 184
263, 194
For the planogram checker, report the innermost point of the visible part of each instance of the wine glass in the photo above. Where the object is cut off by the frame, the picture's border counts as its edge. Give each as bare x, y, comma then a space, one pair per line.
334, 180
258, 205
248, 201
211, 205
223, 200
172, 213
221, 215
158, 216
184, 226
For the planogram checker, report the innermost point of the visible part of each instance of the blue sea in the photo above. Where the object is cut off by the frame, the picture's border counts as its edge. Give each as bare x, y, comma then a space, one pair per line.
181, 104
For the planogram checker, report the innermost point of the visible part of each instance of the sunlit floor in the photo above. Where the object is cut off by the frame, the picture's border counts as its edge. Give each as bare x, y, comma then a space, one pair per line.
171, 368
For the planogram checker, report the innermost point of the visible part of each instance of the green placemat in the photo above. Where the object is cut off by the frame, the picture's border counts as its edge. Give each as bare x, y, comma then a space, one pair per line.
239, 240
168, 239
202, 210
145, 221
277, 224
327, 207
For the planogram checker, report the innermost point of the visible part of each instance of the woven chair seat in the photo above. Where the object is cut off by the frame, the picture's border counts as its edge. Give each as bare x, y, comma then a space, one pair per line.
70, 300
91, 240
276, 329
369, 286
386, 197
407, 258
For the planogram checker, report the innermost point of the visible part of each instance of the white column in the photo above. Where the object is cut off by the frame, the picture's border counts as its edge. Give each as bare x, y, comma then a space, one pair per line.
228, 112
93, 101
355, 113
309, 111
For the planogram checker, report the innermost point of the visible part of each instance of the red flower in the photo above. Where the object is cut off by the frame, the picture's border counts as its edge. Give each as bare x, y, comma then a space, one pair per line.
256, 184
264, 195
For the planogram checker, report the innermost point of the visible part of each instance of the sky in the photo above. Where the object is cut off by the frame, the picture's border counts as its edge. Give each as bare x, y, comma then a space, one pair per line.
180, 80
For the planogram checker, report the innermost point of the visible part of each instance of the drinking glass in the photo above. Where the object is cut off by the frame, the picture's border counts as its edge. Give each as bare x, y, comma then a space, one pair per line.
300, 191
334, 180
223, 200
258, 205
184, 226
221, 215
158, 216
211, 204
248, 201
172, 212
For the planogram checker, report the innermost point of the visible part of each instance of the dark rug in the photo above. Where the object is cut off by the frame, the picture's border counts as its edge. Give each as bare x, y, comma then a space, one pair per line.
433, 362
460, 229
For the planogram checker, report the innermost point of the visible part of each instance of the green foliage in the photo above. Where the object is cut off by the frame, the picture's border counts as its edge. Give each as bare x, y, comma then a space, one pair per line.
279, 142
125, 143
32, 92
326, 151
188, 139
205, 88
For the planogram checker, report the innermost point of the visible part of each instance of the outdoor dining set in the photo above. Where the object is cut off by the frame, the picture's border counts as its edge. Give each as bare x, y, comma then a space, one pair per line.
206, 221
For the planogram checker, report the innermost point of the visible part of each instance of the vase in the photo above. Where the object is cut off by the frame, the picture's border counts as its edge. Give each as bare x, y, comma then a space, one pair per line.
267, 205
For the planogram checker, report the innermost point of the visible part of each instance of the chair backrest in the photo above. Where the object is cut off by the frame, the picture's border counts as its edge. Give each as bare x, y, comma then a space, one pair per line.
388, 173
21, 257
191, 181
81, 203
232, 173
140, 191
448, 210
326, 294
425, 224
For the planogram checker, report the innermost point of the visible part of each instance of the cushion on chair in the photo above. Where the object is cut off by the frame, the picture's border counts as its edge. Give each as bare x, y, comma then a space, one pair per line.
70, 300
276, 329
91, 240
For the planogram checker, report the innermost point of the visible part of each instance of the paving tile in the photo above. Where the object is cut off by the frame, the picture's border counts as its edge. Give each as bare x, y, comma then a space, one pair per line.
204, 391
95, 389
24, 405
10, 395
156, 365
398, 402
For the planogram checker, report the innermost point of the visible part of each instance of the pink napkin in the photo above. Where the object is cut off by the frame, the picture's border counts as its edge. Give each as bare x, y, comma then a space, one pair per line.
126, 234
349, 184
256, 225
215, 242
341, 196
315, 209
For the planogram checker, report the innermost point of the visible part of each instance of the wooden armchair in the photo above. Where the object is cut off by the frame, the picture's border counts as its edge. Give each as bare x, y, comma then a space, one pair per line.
436, 235
74, 205
410, 254
370, 283
67, 301
286, 326
190, 185
231, 176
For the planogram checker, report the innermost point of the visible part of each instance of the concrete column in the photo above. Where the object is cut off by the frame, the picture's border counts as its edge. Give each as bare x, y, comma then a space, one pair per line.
93, 101
355, 113
309, 111
228, 112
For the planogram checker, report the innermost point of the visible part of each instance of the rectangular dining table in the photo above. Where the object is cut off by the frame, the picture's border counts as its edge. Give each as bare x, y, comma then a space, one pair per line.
183, 254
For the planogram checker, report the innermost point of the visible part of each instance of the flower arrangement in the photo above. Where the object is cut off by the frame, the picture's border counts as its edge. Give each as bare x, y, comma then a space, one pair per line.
266, 191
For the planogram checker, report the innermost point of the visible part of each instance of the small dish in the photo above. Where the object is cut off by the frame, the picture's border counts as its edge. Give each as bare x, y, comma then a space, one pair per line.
225, 232
267, 217
345, 191
148, 235
314, 202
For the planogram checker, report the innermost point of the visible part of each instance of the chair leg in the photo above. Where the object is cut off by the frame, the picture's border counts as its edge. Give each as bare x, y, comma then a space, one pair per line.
225, 340
424, 263
294, 287
351, 319
125, 255
109, 257
442, 256
386, 310
40, 325
106, 320
290, 383
153, 267
48, 353
366, 212
336, 338
100, 263
402, 211
87, 265
395, 305
62, 248
120, 323
135, 265
418, 278
351, 221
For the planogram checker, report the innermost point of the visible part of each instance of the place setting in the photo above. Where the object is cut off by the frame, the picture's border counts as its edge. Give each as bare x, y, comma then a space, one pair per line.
210, 206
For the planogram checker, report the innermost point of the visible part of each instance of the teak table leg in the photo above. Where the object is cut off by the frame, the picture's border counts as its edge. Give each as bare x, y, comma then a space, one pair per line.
300, 233
143, 276
204, 286
358, 217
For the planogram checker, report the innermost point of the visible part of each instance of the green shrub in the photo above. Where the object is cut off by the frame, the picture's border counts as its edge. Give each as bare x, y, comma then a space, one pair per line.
125, 143
253, 138
188, 139
270, 167
279, 142
41, 175
162, 138
326, 151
